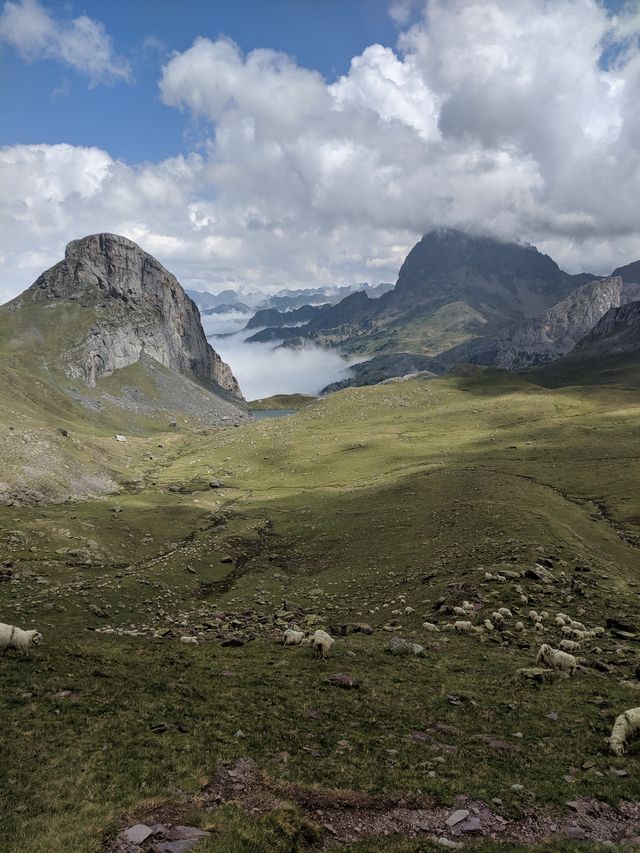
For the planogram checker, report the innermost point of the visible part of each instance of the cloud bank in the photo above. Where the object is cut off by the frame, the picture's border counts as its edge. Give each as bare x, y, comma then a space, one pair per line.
517, 117
264, 369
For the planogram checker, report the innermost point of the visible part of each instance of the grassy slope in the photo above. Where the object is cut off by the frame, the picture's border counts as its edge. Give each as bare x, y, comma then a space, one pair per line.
363, 497
282, 401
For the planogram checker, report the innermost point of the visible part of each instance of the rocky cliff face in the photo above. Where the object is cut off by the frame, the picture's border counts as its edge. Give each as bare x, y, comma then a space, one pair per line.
139, 308
617, 333
553, 334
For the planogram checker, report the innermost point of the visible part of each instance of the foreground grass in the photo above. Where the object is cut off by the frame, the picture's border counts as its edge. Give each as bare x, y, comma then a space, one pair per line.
364, 499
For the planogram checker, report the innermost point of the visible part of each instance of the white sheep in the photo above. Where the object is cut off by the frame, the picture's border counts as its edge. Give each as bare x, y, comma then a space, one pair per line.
292, 638
462, 627
557, 659
559, 621
538, 627
500, 578
430, 626
519, 626
15, 638
459, 611
577, 626
409, 610
189, 641
533, 616
598, 631
566, 631
569, 646
497, 618
544, 614
563, 616
321, 643
488, 576
468, 607
626, 727
505, 612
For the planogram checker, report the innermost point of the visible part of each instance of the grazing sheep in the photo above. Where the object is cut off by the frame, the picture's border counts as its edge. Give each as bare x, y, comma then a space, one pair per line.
488, 624
519, 626
533, 616
468, 607
563, 616
625, 728
462, 627
598, 631
409, 610
569, 646
430, 626
559, 621
488, 576
539, 627
500, 578
189, 641
15, 638
292, 638
544, 614
321, 643
577, 626
557, 659
505, 612
523, 598
396, 612
566, 631
459, 611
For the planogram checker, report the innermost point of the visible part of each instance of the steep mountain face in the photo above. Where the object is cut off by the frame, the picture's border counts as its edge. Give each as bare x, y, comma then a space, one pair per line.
629, 273
499, 279
451, 288
128, 305
617, 333
381, 368
548, 337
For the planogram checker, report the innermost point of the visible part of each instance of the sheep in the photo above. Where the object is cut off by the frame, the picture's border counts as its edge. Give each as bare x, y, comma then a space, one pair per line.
539, 627
321, 643
626, 727
468, 607
566, 631
292, 638
563, 616
500, 578
189, 641
488, 576
533, 616
505, 612
557, 659
523, 598
559, 621
409, 610
577, 626
430, 626
569, 646
459, 611
15, 638
488, 624
544, 614
462, 627
519, 626
598, 631
396, 612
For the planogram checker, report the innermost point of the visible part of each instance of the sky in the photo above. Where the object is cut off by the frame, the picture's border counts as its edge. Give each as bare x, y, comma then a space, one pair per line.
311, 142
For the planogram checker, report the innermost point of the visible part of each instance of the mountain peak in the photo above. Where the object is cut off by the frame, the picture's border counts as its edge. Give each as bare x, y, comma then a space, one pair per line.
127, 306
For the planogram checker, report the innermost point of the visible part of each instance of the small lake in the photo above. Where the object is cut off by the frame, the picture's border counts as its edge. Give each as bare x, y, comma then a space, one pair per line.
259, 414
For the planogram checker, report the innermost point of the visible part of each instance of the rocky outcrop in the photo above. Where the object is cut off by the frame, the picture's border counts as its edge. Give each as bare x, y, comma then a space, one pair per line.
382, 367
617, 333
273, 318
539, 341
134, 307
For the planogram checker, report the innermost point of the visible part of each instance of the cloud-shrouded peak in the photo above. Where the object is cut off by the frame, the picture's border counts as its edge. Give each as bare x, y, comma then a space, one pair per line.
81, 43
516, 118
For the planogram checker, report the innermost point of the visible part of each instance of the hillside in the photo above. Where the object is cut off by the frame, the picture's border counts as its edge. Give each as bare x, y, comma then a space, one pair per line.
385, 506
104, 342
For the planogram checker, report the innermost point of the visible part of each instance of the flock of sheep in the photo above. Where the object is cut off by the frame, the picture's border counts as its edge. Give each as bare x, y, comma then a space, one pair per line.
626, 726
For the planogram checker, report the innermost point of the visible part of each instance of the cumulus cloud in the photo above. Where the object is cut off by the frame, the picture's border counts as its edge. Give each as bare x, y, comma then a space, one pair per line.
514, 117
79, 42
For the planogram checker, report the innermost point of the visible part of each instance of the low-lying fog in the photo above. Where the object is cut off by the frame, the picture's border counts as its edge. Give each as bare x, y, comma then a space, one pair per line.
266, 369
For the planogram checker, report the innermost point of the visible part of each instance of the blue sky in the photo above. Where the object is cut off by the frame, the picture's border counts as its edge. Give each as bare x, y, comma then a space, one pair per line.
43, 101
268, 144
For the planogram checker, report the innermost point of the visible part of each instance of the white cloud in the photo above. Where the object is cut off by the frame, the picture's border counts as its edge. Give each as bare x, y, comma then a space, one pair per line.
80, 42
518, 117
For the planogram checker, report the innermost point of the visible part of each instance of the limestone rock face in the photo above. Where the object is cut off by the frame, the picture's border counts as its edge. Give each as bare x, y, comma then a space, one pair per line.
140, 310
